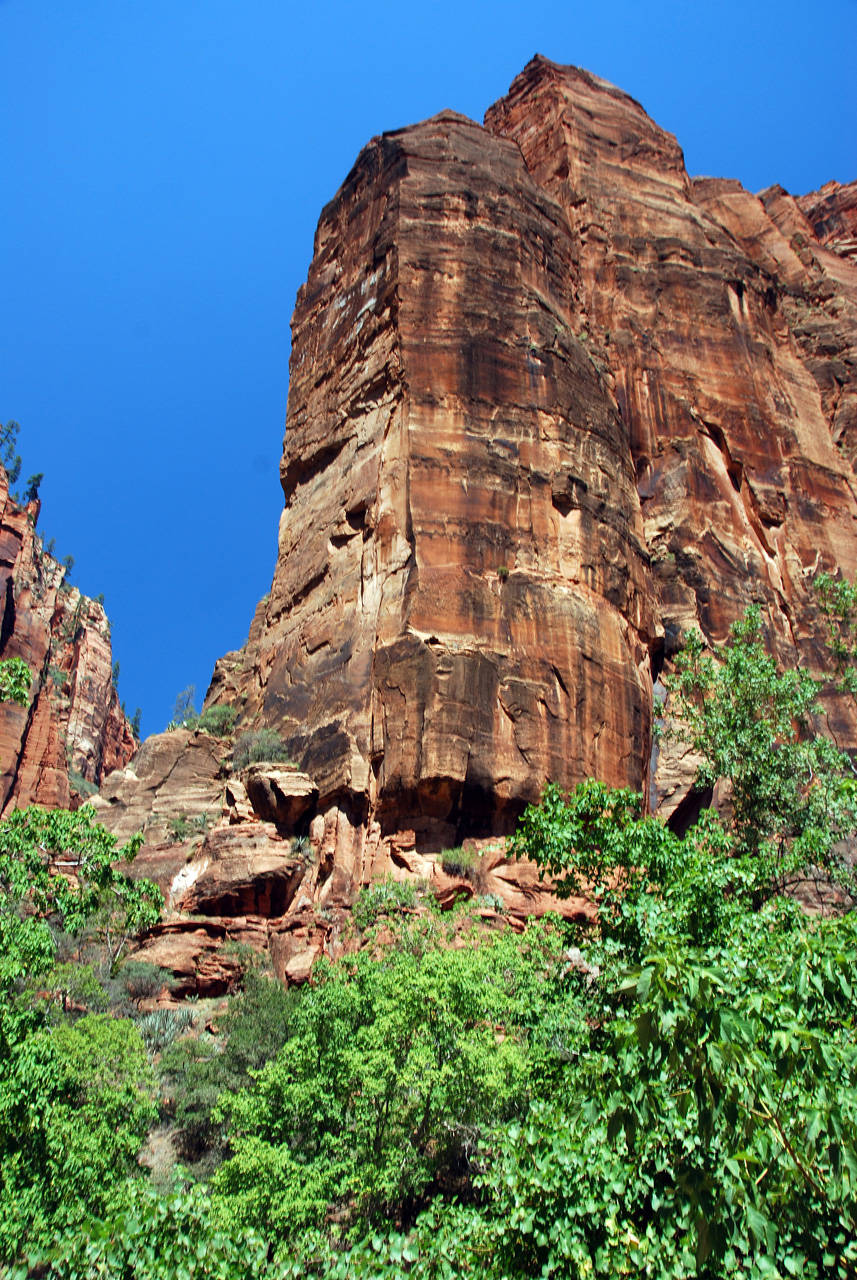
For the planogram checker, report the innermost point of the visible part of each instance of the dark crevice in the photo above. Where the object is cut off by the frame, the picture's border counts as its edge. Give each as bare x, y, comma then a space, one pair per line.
686, 813
7, 626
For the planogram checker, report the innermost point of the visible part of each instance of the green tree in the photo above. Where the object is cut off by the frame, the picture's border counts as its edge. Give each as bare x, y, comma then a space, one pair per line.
15, 681
792, 791
8, 456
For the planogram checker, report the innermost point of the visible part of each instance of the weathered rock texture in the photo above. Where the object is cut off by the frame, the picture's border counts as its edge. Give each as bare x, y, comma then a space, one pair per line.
74, 724
552, 402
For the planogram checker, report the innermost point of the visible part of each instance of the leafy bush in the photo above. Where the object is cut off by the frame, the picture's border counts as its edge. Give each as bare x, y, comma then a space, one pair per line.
258, 745
15, 681
77, 1101
218, 720
395, 1069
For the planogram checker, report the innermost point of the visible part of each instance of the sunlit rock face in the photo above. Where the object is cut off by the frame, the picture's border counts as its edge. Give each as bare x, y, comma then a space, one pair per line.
73, 725
461, 607
703, 311
552, 403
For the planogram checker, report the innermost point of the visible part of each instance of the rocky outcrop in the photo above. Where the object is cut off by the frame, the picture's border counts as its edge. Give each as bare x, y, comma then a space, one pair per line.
552, 402
460, 608
832, 213
73, 733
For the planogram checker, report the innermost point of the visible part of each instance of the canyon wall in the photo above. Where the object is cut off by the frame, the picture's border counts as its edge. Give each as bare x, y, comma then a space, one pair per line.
552, 402
73, 732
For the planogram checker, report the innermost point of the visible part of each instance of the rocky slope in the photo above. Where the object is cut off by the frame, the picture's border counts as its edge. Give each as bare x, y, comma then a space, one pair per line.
552, 402
73, 732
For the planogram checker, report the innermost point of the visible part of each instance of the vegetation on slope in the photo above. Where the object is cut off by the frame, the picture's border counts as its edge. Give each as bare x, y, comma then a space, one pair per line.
671, 1094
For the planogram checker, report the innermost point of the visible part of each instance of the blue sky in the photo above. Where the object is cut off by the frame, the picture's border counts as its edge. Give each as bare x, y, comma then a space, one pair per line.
164, 164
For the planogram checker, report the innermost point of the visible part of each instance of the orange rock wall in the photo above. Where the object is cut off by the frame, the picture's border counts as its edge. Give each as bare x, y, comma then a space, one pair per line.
551, 403
74, 719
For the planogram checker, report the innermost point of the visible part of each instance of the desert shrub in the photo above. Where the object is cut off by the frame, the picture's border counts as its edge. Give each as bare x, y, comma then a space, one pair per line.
218, 720
143, 981
491, 901
82, 785
302, 847
385, 897
459, 861
195, 1072
183, 827
185, 714
257, 745
162, 1026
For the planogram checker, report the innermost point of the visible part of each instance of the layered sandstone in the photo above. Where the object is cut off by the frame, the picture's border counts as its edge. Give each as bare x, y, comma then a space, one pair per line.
552, 402
73, 726
460, 609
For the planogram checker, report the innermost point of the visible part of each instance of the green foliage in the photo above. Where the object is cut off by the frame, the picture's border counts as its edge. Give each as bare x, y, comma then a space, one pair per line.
258, 745
58, 871
458, 861
75, 1103
10, 459
218, 720
135, 724
385, 897
32, 491
395, 1069
15, 681
151, 1236
792, 791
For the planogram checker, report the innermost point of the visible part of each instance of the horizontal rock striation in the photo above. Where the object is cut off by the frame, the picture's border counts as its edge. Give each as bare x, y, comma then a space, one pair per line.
552, 402
73, 732
460, 609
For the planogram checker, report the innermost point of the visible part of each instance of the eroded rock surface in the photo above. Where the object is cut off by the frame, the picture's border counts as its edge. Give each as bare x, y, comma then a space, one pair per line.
552, 402
73, 733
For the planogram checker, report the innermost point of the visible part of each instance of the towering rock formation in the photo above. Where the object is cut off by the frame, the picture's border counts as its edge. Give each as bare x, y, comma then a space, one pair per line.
460, 608
552, 402
73, 728
547, 409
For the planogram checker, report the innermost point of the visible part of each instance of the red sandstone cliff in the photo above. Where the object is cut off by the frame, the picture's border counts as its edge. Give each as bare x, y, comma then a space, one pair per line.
73, 723
551, 403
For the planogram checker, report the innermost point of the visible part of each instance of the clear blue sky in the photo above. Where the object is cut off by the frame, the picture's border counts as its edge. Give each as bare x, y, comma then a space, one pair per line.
164, 163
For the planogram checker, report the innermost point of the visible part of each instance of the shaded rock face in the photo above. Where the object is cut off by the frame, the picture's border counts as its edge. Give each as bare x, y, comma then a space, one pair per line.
74, 722
552, 403
460, 609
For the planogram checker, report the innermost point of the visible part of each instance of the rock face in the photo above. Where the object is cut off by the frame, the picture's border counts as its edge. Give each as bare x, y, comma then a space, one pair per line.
74, 732
552, 402
550, 405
